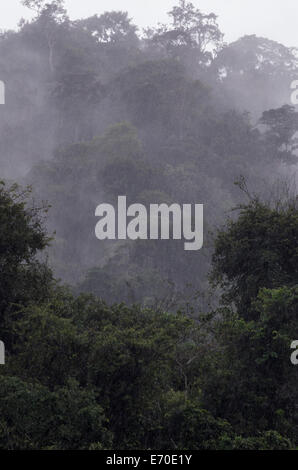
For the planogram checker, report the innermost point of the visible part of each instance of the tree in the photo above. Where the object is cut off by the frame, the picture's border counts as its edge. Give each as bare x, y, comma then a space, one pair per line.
257, 250
191, 36
49, 15
22, 237
54, 8
110, 27
253, 383
35, 417
202, 29
115, 38
254, 67
281, 128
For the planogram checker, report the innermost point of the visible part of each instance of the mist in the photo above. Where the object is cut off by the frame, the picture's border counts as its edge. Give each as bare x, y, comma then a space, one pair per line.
148, 226
99, 107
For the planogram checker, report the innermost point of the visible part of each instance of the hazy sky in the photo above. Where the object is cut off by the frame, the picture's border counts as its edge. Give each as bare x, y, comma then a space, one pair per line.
275, 19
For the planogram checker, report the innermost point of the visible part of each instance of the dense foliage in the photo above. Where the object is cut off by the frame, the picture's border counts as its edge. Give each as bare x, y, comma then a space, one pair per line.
84, 375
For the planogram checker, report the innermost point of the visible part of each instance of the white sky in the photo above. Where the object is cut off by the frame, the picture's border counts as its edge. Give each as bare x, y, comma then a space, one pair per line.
274, 19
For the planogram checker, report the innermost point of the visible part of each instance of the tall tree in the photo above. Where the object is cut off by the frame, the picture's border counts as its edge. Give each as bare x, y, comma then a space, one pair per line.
49, 14
281, 128
192, 36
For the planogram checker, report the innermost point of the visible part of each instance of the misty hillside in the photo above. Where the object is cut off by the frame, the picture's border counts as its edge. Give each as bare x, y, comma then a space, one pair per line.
142, 344
96, 108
